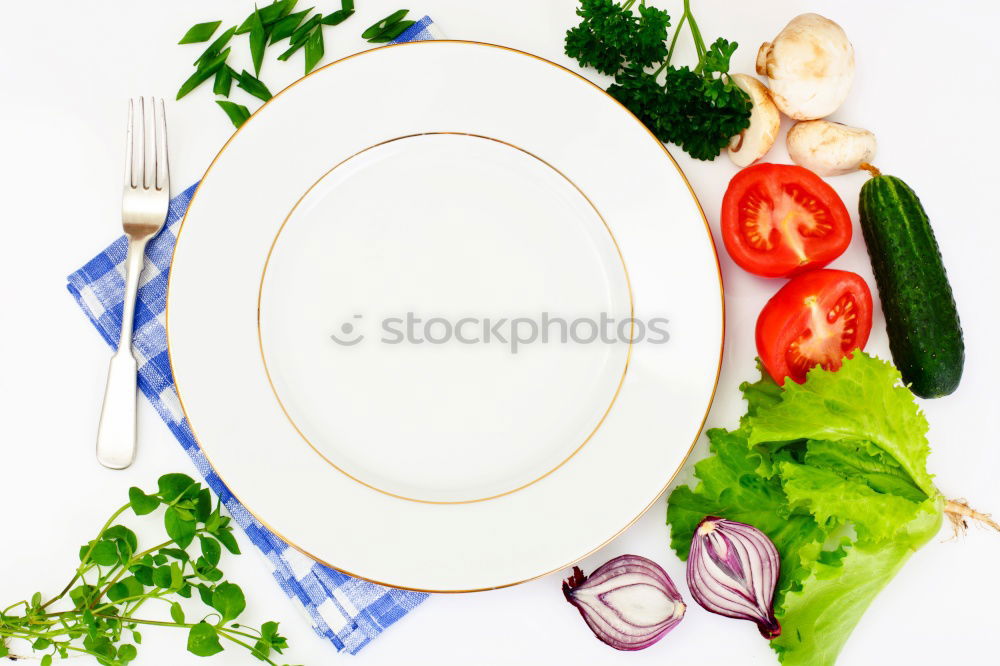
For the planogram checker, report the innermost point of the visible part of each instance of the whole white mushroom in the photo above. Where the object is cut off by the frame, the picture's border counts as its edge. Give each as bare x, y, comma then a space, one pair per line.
753, 143
810, 67
829, 148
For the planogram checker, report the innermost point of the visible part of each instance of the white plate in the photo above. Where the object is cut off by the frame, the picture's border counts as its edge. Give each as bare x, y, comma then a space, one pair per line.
358, 300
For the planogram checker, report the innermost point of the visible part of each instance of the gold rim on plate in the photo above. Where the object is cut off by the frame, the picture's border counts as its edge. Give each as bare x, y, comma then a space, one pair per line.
722, 305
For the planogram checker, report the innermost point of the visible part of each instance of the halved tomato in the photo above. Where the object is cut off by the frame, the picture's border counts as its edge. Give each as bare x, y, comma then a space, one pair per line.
818, 318
780, 220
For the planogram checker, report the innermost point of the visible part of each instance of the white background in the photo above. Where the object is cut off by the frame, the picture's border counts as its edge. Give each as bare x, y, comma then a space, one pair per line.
926, 84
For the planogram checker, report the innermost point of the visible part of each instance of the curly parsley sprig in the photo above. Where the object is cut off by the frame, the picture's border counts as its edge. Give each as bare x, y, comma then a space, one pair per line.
115, 578
697, 108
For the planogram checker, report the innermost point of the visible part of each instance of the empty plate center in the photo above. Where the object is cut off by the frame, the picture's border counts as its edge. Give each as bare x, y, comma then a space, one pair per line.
445, 318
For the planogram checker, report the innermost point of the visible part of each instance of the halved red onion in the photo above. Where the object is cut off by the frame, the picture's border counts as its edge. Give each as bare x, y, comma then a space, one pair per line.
732, 570
629, 602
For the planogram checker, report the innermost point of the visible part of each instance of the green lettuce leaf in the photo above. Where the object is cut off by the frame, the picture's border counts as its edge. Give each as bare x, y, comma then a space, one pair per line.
834, 472
818, 619
864, 400
731, 488
835, 501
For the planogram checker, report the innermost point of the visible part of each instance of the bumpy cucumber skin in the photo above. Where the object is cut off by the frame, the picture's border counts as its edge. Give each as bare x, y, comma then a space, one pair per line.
925, 335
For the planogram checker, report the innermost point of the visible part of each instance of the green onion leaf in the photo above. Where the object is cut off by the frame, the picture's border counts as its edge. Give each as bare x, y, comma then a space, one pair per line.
376, 28
202, 74
258, 41
216, 46
200, 33
314, 49
253, 85
287, 25
300, 35
391, 32
347, 5
236, 112
223, 81
270, 14
337, 17
288, 54
276, 11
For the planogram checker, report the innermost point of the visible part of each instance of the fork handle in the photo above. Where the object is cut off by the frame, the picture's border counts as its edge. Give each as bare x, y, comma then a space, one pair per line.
116, 433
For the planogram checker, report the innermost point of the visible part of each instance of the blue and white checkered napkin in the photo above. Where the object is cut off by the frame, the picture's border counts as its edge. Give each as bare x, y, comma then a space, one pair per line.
347, 611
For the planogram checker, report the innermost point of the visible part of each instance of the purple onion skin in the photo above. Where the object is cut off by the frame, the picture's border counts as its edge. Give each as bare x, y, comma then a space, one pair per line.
622, 627
732, 570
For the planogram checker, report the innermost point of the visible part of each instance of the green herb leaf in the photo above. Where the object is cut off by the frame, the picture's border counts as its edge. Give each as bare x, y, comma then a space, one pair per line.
140, 502
229, 541
223, 81
124, 535
611, 36
176, 576
375, 28
716, 59
205, 593
314, 49
82, 595
203, 640
252, 85
258, 42
178, 528
206, 571
174, 486
105, 553
46, 660
237, 113
228, 599
287, 25
175, 553
100, 645
176, 612
337, 17
211, 549
126, 653
203, 505
143, 574
125, 588
41, 644
216, 46
161, 576
201, 32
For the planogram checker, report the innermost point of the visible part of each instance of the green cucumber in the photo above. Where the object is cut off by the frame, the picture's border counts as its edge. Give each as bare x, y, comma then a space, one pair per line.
920, 314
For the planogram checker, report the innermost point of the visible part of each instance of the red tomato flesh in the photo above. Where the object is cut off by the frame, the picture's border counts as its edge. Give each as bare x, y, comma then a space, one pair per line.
780, 220
818, 318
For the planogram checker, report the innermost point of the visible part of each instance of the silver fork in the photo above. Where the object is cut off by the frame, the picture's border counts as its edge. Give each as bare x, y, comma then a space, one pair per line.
144, 209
